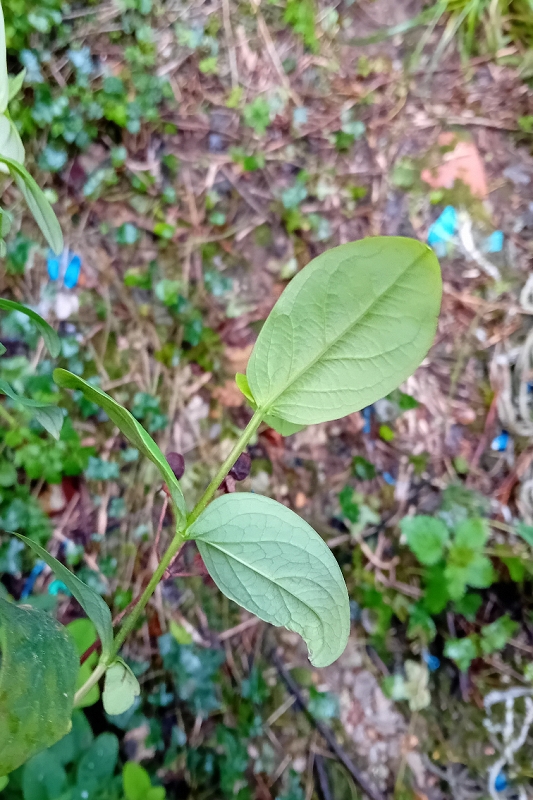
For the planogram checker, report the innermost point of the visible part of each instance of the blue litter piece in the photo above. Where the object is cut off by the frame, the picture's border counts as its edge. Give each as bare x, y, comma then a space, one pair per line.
58, 587
444, 227
27, 589
433, 663
72, 273
388, 478
53, 266
367, 416
70, 262
500, 443
494, 244
500, 783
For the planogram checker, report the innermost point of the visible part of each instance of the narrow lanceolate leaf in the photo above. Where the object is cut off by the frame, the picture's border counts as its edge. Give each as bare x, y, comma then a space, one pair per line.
121, 687
266, 558
92, 603
348, 329
131, 429
51, 339
37, 681
50, 417
10, 142
4, 80
41, 210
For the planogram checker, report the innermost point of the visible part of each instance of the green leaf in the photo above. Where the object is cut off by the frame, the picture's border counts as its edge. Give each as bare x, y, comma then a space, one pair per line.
50, 417
455, 580
51, 339
10, 142
426, 537
92, 603
132, 430
97, 765
15, 84
37, 680
83, 632
137, 783
347, 330
436, 589
120, 689
496, 635
461, 651
480, 572
4, 81
472, 533
2, 349
525, 532
39, 206
266, 558
43, 777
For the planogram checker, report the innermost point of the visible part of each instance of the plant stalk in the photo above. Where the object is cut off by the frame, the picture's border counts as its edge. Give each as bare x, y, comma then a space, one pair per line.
243, 440
169, 555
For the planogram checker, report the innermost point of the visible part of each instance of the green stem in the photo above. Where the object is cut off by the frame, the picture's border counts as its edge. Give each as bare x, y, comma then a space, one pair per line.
88, 685
172, 551
243, 440
131, 620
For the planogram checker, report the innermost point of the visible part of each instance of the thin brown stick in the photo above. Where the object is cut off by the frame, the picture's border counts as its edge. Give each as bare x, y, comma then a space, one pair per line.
325, 731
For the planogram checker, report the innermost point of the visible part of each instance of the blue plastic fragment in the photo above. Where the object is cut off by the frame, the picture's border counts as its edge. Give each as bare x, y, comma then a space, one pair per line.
433, 663
442, 230
494, 243
367, 417
66, 266
500, 442
388, 478
58, 587
501, 782
27, 589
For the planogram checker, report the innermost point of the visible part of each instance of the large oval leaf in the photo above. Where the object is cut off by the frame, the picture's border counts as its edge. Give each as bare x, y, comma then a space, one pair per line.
37, 682
92, 603
51, 339
131, 429
41, 210
266, 558
348, 329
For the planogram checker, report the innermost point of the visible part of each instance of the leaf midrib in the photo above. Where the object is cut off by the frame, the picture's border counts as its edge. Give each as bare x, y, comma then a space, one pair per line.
268, 407
262, 574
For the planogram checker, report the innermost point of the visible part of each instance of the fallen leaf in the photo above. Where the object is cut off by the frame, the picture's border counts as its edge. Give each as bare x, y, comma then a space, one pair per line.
462, 163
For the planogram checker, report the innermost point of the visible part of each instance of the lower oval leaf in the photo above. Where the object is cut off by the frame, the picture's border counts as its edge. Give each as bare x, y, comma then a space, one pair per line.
37, 683
266, 558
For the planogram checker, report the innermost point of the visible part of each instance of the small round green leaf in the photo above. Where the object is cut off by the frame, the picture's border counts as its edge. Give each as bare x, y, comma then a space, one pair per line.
37, 682
121, 687
426, 537
266, 558
348, 329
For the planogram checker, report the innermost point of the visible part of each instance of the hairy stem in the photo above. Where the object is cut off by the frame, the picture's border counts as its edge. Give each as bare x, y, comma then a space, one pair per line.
171, 553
